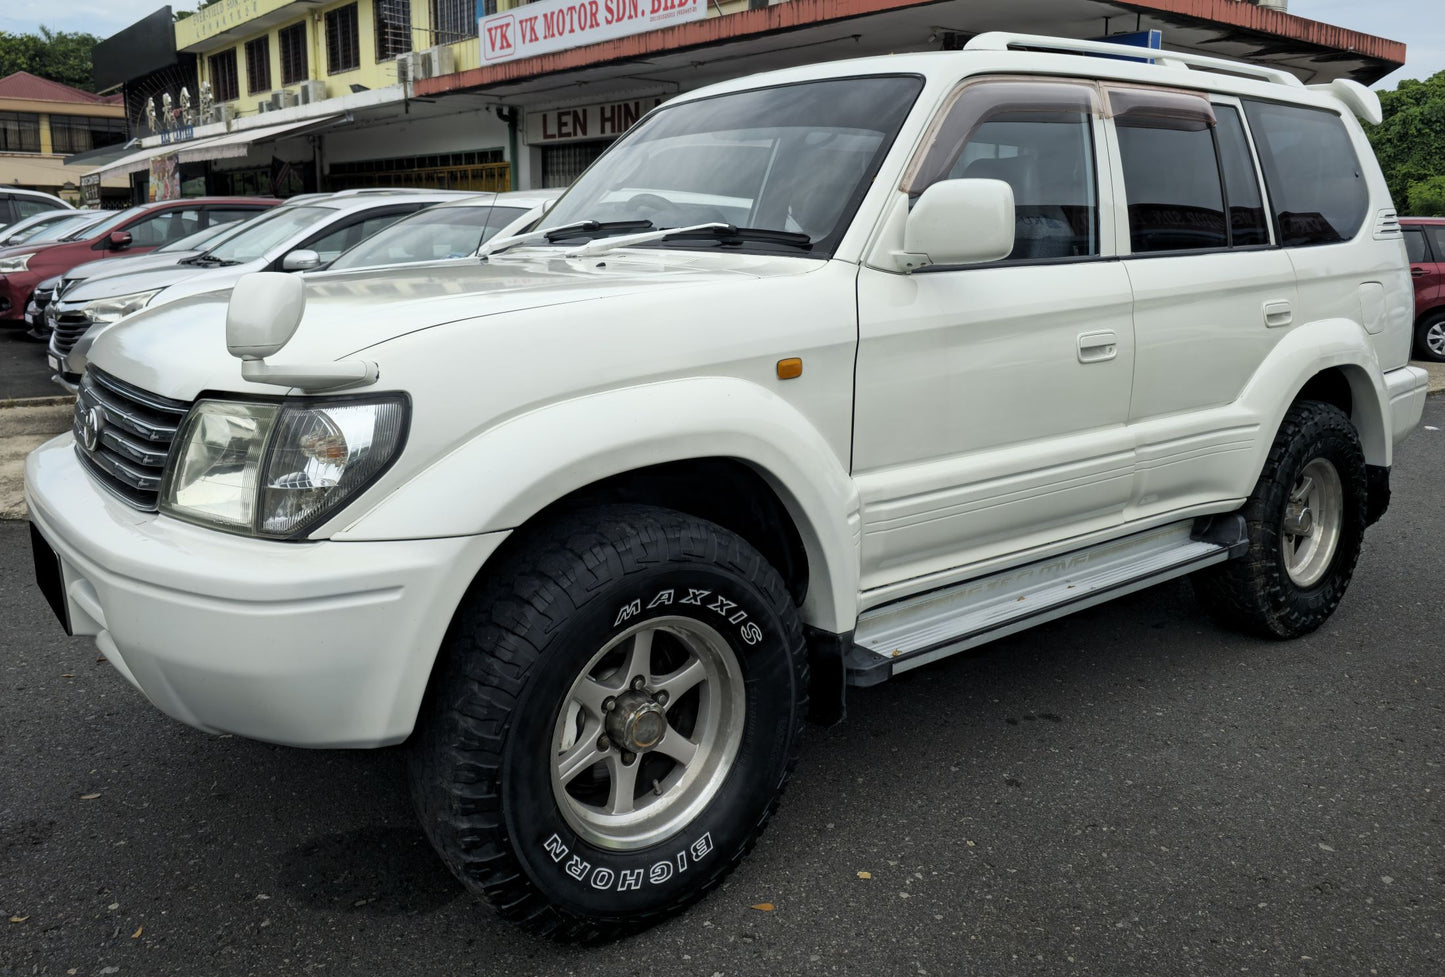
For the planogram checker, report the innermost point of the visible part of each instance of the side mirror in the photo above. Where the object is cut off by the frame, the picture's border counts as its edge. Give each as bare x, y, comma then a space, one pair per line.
302, 260
959, 222
263, 314
119, 240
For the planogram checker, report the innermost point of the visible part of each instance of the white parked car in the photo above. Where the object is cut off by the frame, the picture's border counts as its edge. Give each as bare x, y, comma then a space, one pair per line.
813, 378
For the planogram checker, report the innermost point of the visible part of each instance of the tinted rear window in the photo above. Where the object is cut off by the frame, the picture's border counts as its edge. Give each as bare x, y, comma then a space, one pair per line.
1415, 246
1315, 182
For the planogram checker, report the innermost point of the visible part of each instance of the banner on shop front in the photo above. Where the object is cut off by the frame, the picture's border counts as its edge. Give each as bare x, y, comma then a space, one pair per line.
165, 182
556, 25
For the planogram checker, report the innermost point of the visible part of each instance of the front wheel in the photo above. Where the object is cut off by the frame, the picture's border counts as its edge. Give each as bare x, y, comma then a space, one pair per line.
1306, 521
612, 723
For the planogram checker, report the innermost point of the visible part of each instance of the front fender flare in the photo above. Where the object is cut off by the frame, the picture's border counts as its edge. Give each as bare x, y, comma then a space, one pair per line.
506, 473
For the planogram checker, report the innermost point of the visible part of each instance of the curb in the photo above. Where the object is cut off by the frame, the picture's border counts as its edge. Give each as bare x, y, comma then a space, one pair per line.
36, 401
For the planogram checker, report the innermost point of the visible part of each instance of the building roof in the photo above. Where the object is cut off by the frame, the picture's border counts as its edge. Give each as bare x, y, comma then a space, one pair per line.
23, 84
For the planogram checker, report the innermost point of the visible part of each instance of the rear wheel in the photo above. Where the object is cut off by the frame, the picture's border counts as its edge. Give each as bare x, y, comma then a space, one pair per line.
1306, 520
613, 722
1430, 338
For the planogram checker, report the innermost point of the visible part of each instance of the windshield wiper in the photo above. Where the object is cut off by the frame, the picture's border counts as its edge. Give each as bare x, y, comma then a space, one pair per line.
577, 229
724, 233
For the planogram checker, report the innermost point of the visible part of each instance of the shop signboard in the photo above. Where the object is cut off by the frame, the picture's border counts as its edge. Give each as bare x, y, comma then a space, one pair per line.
581, 122
556, 25
90, 190
165, 178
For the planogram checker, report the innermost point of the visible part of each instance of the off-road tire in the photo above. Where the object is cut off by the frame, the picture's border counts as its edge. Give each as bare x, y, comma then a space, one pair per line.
1255, 593
520, 640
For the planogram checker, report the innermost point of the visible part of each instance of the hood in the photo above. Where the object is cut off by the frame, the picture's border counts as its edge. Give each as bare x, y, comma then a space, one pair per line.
15, 249
126, 265
179, 349
146, 276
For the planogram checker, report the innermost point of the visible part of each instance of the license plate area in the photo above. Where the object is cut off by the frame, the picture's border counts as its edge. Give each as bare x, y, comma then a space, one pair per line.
49, 577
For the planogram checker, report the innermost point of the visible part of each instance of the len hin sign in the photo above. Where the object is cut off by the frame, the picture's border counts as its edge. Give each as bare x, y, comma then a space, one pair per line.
607, 121
556, 25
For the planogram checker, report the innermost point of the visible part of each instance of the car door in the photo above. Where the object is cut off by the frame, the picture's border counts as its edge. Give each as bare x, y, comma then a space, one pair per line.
1212, 295
1425, 244
991, 399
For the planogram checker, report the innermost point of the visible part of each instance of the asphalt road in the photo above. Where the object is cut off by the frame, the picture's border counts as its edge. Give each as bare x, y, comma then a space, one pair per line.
23, 372
1132, 791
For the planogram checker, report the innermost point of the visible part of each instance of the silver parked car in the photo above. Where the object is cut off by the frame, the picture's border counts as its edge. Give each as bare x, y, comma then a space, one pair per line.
288, 238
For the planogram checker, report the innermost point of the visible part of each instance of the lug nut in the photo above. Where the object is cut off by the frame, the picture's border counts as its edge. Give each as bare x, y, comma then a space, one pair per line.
638, 683
609, 704
628, 758
603, 743
661, 698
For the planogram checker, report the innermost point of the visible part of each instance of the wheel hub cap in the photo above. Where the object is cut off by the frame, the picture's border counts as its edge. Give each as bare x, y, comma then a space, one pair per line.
1313, 522
637, 722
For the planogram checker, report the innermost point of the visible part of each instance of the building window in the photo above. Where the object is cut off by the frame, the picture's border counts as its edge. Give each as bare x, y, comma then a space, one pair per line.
81, 133
393, 27
225, 86
258, 65
454, 20
343, 42
19, 132
291, 41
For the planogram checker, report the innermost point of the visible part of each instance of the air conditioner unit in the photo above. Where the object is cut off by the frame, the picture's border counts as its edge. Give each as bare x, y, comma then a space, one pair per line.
437, 61
265, 106
222, 113
405, 68
284, 99
313, 91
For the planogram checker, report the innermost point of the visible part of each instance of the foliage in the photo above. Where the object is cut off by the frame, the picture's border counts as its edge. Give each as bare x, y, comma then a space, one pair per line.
1410, 144
1427, 197
180, 15
62, 56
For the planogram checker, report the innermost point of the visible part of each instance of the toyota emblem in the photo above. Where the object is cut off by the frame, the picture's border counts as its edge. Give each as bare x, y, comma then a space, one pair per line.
91, 423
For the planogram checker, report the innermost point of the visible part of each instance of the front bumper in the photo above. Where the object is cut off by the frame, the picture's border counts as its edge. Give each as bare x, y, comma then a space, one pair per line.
325, 644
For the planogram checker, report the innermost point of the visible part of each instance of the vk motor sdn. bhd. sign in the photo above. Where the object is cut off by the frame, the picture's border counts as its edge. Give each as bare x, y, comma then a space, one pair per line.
556, 25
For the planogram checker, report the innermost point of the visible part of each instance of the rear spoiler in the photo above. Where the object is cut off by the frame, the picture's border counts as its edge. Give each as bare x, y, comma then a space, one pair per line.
1359, 99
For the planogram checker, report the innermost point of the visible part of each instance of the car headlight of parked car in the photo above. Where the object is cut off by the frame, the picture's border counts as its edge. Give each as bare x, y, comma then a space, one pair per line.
277, 469
14, 263
111, 309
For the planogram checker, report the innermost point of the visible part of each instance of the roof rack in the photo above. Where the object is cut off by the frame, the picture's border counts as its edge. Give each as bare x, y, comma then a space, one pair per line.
1004, 41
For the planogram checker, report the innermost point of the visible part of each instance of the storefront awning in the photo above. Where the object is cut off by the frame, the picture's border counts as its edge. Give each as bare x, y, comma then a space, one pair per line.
232, 144
239, 142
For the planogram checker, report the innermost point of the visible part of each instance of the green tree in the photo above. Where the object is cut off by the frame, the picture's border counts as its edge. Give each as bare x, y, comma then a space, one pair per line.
1427, 197
62, 56
1410, 142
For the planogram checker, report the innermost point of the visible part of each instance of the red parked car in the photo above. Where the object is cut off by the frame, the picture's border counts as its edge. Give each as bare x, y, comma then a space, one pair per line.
1425, 242
137, 229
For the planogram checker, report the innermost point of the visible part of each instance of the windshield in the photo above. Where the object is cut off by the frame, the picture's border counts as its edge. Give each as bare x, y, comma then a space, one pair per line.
105, 225
67, 229
796, 158
194, 242
441, 232
267, 231
31, 227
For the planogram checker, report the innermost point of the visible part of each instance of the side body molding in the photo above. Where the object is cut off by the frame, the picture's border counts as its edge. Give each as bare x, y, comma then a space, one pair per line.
509, 472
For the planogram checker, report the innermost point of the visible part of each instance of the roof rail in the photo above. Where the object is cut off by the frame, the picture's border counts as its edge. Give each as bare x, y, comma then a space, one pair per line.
1004, 41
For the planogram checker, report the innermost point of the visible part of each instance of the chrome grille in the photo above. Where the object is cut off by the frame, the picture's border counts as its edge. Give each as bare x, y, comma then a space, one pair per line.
69, 327
129, 455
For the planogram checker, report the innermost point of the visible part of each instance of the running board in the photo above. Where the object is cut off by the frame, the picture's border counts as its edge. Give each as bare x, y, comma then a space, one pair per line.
917, 630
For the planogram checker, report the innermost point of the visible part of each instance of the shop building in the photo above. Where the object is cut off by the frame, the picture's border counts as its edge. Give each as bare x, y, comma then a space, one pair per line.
43, 124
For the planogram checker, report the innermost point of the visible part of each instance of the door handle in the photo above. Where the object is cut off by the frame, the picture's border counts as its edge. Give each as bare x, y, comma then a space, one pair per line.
1278, 313
1097, 347
1417, 272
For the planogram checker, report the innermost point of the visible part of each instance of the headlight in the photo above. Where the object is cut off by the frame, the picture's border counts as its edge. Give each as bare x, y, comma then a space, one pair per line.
277, 469
19, 262
109, 310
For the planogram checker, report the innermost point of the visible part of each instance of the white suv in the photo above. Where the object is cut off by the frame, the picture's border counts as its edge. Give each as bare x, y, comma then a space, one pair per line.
815, 377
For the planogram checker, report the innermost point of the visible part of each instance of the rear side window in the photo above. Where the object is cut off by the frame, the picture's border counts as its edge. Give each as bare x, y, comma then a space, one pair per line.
1316, 185
1415, 246
1247, 222
1172, 179
1437, 238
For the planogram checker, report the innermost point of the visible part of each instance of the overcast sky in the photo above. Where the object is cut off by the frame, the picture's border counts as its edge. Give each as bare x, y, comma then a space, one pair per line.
1417, 22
